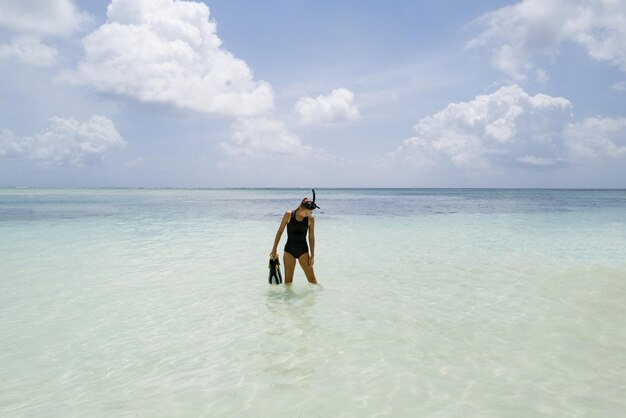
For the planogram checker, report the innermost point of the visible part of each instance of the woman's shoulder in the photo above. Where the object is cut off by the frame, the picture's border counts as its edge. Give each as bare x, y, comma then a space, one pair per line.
287, 215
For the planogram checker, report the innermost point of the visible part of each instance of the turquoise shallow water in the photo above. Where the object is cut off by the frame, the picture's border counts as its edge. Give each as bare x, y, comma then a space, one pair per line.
154, 303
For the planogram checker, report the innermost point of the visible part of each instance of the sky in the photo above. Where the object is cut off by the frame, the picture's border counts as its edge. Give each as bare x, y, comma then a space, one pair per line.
234, 93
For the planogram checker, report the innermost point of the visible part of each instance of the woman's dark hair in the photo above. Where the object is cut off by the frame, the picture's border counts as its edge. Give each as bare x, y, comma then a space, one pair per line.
308, 203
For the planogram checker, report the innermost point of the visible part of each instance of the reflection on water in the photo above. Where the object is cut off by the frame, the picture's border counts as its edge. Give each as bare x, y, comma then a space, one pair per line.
289, 336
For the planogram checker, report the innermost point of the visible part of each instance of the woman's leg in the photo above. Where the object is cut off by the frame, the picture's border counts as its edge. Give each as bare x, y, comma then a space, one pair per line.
308, 270
290, 265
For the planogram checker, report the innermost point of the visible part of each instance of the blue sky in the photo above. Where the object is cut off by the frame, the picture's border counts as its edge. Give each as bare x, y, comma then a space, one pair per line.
228, 93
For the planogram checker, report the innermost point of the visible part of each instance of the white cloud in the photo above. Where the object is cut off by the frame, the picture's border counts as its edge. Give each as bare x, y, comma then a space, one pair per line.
255, 138
336, 107
541, 76
596, 139
134, 162
619, 86
34, 19
168, 51
538, 161
41, 17
521, 32
29, 50
64, 142
507, 127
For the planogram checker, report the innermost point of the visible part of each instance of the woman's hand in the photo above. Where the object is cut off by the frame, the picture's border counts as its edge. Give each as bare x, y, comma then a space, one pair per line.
311, 260
273, 254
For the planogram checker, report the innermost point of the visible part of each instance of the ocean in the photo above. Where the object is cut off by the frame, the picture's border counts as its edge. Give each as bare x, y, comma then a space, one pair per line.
435, 302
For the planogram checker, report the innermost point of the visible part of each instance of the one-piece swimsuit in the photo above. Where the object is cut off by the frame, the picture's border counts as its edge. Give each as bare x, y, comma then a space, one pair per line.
296, 236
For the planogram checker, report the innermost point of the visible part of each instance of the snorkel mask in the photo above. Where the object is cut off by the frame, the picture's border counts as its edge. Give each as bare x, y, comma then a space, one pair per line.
310, 204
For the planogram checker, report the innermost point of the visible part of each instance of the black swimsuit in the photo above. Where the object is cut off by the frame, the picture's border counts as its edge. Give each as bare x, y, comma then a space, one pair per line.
296, 236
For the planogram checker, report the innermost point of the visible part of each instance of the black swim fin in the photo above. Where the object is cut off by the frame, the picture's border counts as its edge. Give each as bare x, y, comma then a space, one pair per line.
275, 276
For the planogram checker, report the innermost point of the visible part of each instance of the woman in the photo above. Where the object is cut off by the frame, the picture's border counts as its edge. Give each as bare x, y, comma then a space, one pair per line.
298, 222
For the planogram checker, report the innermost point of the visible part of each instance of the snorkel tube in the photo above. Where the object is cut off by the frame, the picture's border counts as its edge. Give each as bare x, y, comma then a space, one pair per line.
311, 204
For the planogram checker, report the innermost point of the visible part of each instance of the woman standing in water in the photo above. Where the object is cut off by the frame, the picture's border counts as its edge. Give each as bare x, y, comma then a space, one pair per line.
298, 222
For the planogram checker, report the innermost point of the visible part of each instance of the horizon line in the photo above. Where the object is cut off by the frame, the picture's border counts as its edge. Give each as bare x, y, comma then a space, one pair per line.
302, 188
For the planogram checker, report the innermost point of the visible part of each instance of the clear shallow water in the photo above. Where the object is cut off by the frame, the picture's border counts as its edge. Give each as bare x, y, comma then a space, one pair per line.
435, 303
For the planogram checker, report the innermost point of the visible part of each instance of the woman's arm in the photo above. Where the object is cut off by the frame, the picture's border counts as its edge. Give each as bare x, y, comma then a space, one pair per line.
311, 239
279, 233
